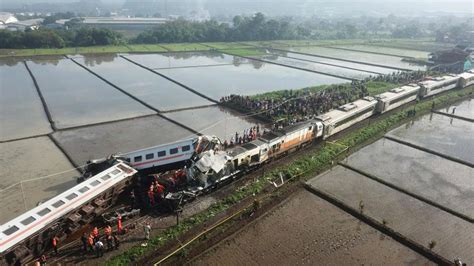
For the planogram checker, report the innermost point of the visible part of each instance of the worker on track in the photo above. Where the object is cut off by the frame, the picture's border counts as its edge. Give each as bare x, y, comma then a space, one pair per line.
55, 242
119, 224
147, 229
84, 240
95, 232
91, 242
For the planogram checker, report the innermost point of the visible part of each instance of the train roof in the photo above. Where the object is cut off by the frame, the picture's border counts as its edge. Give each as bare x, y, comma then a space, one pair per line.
159, 146
269, 136
439, 81
241, 149
467, 75
398, 92
347, 110
46, 213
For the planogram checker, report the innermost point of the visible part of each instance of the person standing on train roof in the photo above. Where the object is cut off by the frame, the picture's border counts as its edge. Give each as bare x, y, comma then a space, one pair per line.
55, 243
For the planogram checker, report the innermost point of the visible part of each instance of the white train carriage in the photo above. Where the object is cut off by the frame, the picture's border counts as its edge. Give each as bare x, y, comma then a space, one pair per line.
40, 218
466, 78
161, 155
437, 85
396, 97
347, 115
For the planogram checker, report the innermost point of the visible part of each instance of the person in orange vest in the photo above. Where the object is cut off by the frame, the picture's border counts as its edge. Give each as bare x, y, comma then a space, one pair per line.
91, 242
119, 224
108, 230
151, 196
95, 232
55, 244
159, 189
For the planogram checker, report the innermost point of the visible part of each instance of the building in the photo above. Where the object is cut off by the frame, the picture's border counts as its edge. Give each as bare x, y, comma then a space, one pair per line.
119, 23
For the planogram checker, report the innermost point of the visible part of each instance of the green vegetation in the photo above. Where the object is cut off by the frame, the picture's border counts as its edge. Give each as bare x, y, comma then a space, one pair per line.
244, 52
227, 45
179, 47
303, 168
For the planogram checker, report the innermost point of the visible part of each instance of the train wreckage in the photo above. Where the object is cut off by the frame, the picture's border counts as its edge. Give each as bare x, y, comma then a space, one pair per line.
200, 164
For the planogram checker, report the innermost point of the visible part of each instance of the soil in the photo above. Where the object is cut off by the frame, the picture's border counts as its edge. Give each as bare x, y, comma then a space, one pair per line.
308, 230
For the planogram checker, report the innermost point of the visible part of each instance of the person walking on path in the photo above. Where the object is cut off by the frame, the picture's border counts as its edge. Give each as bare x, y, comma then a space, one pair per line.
147, 229
55, 244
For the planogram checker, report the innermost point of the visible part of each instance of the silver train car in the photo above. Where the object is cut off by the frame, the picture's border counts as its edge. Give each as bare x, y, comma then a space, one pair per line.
29, 235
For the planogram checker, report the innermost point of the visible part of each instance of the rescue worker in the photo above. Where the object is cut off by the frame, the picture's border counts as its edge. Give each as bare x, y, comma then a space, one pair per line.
147, 229
84, 242
108, 230
91, 242
132, 200
151, 196
55, 243
109, 240
119, 224
95, 232
99, 248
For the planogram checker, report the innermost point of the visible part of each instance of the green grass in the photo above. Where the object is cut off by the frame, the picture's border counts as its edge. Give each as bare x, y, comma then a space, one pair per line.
304, 168
146, 48
226, 45
181, 47
243, 52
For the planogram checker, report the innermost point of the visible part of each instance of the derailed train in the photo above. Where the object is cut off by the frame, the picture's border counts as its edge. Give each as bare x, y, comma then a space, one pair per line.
206, 165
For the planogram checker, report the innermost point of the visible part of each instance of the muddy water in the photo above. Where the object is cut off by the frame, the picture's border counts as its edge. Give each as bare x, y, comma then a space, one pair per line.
344, 72
445, 182
247, 79
306, 230
387, 50
21, 111
414, 219
102, 140
147, 86
384, 60
214, 121
185, 59
41, 166
453, 137
76, 97
464, 109
380, 70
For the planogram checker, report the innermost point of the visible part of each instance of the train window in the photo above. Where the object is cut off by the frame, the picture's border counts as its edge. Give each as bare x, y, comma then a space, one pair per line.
174, 151
43, 212
185, 148
116, 172
58, 204
105, 177
127, 159
84, 189
137, 158
28, 220
149, 156
95, 183
11, 230
71, 196
161, 153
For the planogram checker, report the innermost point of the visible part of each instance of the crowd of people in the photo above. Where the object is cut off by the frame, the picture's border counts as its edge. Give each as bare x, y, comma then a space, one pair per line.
247, 135
296, 105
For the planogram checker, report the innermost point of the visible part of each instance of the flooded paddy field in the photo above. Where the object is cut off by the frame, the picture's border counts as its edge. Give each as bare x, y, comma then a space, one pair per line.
181, 59
75, 97
308, 230
21, 111
215, 120
42, 169
99, 141
414, 219
464, 109
445, 182
449, 136
246, 79
386, 50
333, 70
147, 86
358, 66
362, 57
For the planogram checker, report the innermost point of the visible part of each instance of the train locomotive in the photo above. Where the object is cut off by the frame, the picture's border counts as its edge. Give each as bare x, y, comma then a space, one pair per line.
202, 165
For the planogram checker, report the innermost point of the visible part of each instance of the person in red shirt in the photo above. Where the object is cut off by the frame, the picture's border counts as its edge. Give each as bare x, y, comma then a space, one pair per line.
151, 196
55, 244
119, 224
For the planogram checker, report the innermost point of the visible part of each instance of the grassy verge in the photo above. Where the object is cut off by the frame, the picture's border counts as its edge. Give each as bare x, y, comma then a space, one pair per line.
226, 45
244, 52
180, 47
303, 168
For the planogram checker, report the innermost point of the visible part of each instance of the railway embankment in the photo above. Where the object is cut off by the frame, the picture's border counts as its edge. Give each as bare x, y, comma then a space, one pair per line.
303, 168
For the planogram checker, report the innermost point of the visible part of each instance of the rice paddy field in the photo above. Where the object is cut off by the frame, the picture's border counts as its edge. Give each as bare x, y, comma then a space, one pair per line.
135, 96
